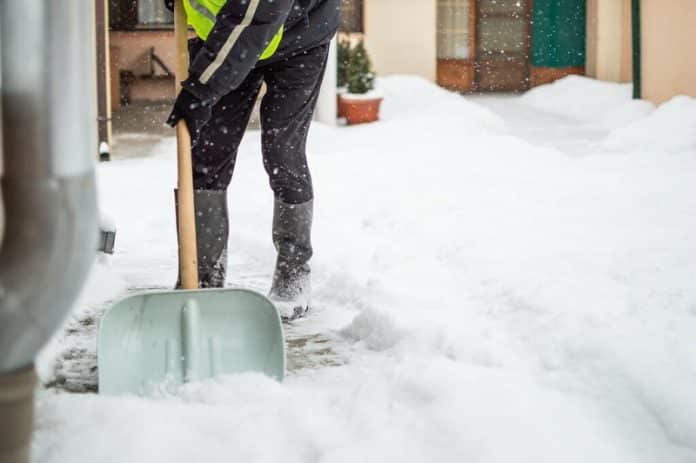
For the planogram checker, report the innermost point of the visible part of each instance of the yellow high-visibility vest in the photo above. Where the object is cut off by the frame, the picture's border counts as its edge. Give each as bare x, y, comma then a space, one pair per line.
201, 14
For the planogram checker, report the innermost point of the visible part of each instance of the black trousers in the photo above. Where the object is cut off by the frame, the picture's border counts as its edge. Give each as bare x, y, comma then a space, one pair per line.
286, 113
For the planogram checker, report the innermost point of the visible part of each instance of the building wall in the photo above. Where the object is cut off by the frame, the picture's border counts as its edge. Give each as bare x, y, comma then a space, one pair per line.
130, 51
668, 41
609, 46
401, 35
135, 46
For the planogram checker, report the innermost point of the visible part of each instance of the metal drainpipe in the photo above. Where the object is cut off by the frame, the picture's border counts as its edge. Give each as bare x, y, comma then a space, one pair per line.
636, 29
47, 93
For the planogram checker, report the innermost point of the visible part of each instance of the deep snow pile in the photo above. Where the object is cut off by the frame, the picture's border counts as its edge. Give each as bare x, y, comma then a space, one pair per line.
672, 127
606, 104
494, 300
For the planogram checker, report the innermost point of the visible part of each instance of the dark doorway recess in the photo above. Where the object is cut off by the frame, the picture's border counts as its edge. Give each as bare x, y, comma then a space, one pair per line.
503, 31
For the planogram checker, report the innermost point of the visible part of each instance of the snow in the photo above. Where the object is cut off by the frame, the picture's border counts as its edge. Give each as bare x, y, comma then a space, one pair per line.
373, 94
672, 127
482, 293
65, 361
106, 223
411, 97
607, 104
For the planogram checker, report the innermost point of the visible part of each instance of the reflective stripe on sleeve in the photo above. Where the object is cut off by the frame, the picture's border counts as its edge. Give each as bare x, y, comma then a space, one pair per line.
230, 42
202, 10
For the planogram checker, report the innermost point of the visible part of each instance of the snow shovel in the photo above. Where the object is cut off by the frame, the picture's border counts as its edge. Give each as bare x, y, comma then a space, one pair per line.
172, 337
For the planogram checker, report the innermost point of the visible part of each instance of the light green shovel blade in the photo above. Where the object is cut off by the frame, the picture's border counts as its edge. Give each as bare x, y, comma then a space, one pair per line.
181, 336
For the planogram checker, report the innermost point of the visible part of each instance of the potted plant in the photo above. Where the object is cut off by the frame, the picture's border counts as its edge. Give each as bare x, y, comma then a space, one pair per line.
360, 103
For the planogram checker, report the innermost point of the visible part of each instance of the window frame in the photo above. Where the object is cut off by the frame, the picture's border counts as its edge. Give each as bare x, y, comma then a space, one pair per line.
155, 25
470, 31
356, 25
458, 74
124, 16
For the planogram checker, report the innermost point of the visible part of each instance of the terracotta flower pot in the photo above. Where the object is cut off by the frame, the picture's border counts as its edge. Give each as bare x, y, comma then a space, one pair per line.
359, 109
339, 92
339, 108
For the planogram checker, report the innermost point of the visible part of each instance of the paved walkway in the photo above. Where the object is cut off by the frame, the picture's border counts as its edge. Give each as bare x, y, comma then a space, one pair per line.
543, 129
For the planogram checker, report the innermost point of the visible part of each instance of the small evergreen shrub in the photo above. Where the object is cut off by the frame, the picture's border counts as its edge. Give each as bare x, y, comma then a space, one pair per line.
359, 75
343, 62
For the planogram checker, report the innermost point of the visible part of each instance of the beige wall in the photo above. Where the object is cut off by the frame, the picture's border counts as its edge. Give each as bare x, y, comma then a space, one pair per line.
609, 40
669, 48
130, 51
134, 48
400, 36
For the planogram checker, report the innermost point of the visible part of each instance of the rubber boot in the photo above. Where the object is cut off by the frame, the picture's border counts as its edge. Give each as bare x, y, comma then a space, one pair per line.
292, 229
16, 415
212, 232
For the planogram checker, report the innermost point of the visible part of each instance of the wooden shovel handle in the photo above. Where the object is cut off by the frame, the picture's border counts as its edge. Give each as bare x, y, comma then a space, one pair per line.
188, 256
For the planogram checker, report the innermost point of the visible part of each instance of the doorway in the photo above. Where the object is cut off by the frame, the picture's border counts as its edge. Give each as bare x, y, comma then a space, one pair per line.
503, 42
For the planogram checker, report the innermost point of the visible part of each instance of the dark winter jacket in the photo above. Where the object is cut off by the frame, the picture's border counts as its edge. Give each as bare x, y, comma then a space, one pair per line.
237, 41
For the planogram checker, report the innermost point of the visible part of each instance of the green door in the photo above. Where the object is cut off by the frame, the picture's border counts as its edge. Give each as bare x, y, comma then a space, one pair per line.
558, 33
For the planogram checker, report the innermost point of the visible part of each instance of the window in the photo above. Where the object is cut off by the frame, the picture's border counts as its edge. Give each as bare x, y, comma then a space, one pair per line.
153, 13
453, 24
126, 15
351, 16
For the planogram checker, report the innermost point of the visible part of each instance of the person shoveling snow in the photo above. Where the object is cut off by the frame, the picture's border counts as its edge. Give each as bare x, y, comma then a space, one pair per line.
239, 46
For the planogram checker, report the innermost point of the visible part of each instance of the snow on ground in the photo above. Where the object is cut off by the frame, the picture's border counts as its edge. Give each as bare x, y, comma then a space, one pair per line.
607, 104
492, 283
670, 128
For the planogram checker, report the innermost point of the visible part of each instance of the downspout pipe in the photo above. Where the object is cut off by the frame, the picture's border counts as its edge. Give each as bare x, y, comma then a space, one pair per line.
637, 54
47, 93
